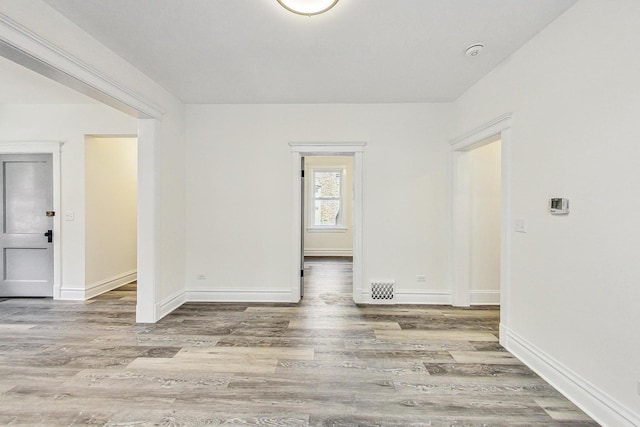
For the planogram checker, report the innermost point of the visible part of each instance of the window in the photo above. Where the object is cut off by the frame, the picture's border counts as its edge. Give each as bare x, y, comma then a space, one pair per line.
325, 201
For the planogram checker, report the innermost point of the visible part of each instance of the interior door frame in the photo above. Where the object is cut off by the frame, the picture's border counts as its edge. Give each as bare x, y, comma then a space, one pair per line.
461, 213
304, 149
54, 149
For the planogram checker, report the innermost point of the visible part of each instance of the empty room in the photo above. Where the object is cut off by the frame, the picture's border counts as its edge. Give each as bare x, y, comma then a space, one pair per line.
319, 212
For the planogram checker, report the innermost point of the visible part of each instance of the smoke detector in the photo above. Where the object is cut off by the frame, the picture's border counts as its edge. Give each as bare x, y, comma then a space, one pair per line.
474, 49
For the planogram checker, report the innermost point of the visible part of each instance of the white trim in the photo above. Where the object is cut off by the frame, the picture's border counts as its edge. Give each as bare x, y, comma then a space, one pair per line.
169, 304
148, 223
298, 150
238, 295
96, 288
27, 48
328, 252
427, 297
53, 148
482, 132
485, 297
460, 208
593, 401
72, 294
319, 229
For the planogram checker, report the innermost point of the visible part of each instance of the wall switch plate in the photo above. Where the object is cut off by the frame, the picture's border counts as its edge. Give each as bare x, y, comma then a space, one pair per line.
201, 276
520, 225
421, 278
69, 215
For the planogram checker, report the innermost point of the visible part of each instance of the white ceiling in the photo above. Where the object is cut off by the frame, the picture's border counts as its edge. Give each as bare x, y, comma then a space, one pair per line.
361, 51
19, 85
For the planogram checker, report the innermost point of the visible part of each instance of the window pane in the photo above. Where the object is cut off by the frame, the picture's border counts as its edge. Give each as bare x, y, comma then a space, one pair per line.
326, 212
327, 184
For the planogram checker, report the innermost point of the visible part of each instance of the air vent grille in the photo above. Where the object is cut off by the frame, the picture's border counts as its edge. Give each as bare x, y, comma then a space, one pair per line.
382, 291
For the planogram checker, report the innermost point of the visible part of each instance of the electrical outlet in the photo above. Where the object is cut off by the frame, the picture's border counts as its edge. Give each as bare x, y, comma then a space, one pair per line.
421, 278
201, 276
520, 225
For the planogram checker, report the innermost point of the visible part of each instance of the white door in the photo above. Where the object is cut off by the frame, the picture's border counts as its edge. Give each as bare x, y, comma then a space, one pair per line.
26, 241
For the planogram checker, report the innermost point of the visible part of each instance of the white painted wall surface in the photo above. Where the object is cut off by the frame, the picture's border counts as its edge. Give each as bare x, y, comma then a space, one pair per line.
574, 295
168, 150
485, 224
326, 243
239, 200
68, 124
110, 212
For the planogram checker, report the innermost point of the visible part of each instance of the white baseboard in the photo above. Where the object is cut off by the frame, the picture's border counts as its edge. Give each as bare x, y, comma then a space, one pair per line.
72, 294
169, 304
328, 252
236, 295
433, 297
485, 297
593, 401
96, 288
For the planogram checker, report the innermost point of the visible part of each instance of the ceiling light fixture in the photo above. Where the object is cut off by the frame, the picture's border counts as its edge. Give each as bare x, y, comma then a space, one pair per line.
474, 50
307, 7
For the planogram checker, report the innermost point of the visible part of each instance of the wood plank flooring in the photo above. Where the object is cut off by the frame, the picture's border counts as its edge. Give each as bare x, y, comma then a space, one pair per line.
322, 362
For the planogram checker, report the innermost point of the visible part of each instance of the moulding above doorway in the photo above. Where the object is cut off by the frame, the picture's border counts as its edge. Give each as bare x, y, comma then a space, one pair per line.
25, 47
483, 131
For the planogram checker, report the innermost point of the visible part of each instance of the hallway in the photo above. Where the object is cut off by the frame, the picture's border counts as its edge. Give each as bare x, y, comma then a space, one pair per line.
323, 362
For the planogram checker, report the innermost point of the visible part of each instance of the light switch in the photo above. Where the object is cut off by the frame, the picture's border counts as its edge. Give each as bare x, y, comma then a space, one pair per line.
520, 225
69, 216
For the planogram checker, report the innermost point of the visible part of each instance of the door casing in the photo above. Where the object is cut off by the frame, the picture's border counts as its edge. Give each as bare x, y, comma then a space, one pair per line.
460, 231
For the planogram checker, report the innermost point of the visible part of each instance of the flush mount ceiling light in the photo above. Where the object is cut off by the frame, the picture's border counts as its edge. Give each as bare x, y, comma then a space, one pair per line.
307, 7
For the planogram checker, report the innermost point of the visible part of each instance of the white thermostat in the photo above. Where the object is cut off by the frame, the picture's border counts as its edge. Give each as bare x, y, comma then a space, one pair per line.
559, 206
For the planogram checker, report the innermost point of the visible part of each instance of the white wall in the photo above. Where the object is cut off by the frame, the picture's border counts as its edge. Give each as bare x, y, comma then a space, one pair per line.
68, 124
110, 212
485, 190
573, 302
239, 163
326, 243
164, 151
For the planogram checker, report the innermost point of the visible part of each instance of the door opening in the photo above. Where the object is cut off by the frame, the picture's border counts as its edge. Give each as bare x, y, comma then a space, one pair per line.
326, 208
484, 204
462, 147
300, 151
110, 213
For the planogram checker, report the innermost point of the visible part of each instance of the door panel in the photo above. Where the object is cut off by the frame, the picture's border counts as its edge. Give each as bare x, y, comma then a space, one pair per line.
26, 182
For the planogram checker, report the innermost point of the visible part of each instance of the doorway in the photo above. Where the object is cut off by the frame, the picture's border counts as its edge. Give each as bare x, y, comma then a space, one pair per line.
327, 210
462, 147
299, 152
484, 209
110, 214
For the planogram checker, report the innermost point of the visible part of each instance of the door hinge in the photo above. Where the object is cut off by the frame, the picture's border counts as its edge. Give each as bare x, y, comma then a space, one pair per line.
302, 173
301, 273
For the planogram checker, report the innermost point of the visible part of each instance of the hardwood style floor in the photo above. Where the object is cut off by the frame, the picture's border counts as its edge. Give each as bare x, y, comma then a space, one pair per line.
323, 362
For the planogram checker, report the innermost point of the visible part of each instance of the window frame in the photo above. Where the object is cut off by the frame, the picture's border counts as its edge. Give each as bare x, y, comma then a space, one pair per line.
312, 227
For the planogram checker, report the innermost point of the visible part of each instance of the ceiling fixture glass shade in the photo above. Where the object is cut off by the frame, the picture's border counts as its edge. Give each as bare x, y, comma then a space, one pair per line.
308, 7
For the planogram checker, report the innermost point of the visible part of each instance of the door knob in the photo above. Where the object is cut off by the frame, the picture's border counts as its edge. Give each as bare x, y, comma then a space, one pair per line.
49, 235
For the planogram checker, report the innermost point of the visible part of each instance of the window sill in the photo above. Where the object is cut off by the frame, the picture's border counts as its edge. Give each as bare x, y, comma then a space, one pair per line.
327, 229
